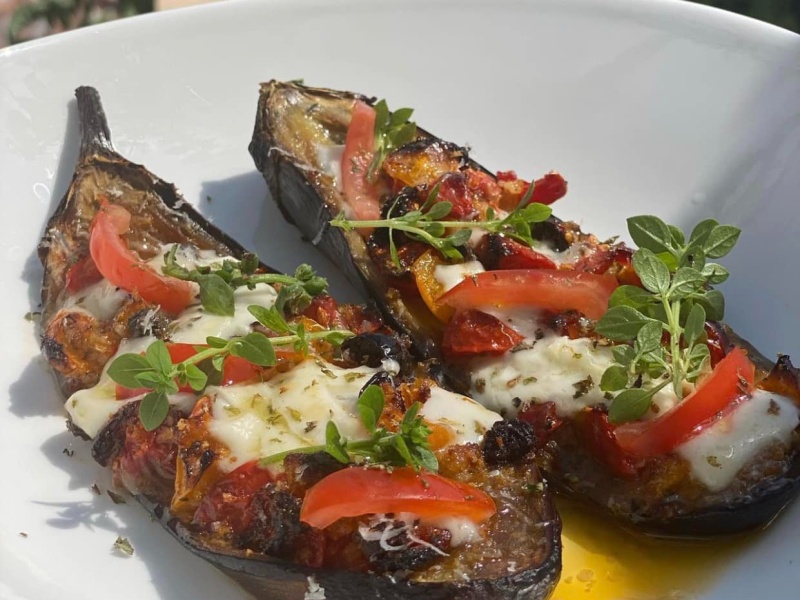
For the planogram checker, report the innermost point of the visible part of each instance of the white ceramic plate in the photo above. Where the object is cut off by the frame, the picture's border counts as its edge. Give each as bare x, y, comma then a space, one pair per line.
646, 106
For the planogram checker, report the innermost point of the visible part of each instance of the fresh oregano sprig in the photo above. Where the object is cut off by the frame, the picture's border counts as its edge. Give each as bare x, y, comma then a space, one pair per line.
218, 281
427, 225
392, 130
675, 303
408, 446
155, 370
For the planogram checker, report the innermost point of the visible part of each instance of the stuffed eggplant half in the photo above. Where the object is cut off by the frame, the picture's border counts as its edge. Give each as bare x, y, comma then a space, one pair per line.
285, 438
641, 400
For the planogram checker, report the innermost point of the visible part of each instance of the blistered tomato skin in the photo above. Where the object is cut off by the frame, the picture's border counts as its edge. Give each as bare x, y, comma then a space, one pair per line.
472, 332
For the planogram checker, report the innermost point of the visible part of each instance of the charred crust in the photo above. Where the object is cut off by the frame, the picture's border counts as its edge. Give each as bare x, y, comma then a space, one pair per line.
405, 554
109, 442
508, 442
371, 349
54, 352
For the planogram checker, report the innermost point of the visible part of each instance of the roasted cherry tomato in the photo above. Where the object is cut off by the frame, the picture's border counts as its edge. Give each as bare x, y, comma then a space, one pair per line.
500, 253
556, 290
544, 419
472, 332
227, 502
359, 151
453, 189
360, 491
546, 190
730, 381
124, 269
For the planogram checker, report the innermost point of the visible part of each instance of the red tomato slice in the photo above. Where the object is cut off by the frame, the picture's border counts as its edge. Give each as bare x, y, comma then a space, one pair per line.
362, 491
472, 332
124, 269
235, 370
359, 150
731, 380
552, 290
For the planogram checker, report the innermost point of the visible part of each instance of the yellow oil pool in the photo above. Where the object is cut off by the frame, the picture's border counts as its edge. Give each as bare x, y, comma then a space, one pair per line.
604, 562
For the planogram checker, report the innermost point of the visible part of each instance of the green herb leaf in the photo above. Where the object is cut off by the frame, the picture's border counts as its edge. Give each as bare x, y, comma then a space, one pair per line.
158, 356
153, 409
127, 367
686, 282
715, 273
270, 318
676, 236
256, 348
150, 379
122, 544
701, 232
651, 233
721, 240
195, 377
392, 130
440, 210
695, 324
653, 273
621, 323
370, 406
697, 358
623, 354
629, 405
334, 445
216, 342
648, 337
714, 304
614, 378
216, 295
631, 295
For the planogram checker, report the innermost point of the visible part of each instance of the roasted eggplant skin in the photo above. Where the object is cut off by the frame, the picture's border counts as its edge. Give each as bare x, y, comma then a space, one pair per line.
307, 198
161, 216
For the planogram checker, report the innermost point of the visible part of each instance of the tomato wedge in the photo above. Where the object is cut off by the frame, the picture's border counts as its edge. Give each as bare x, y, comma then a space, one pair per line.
472, 332
235, 369
730, 380
359, 150
363, 491
558, 290
124, 269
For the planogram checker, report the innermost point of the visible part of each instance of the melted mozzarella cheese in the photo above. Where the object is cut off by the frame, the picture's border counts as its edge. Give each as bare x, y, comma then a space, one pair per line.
461, 529
91, 409
289, 411
194, 325
717, 454
468, 419
553, 369
102, 300
451, 275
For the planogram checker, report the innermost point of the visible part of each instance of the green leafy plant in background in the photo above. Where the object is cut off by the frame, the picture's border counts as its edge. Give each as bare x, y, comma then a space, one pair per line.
784, 13
43, 17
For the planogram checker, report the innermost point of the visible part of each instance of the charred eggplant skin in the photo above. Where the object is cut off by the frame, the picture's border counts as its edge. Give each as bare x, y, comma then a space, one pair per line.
305, 197
174, 221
